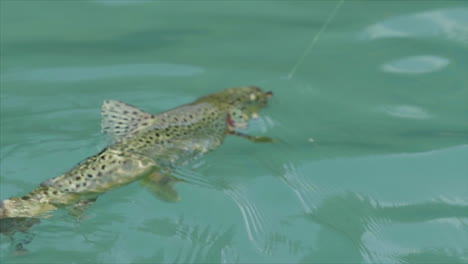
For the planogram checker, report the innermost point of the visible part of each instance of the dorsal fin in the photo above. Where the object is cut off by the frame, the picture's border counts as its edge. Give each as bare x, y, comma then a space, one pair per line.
120, 120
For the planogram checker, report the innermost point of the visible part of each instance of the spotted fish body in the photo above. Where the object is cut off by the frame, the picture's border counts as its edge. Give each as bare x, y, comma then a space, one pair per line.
143, 144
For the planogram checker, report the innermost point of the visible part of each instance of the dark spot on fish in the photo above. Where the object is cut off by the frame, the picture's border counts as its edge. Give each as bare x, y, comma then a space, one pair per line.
78, 178
135, 112
114, 116
190, 116
99, 174
144, 124
46, 192
84, 184
120, 123
67, 190
69, 182
113, 162
77, 186
163, 119
103, 157
176, 119
125, 112
25, 198
90, 175
103, 167
157, 135
117, 127
54, 192
168, 135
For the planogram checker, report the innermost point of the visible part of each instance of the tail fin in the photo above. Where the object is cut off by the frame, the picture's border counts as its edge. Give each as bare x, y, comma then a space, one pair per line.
24, 207
162, 186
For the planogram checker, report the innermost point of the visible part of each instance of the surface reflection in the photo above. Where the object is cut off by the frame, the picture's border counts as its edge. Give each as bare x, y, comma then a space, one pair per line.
451, 23
416, 64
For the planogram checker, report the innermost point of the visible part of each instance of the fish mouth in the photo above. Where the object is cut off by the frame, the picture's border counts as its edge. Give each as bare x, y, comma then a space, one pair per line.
267, 96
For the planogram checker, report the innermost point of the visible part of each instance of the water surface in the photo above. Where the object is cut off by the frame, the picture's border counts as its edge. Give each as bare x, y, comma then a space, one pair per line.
373, 127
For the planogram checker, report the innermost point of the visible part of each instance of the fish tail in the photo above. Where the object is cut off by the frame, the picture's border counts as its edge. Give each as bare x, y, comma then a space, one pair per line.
40, 201
17, 207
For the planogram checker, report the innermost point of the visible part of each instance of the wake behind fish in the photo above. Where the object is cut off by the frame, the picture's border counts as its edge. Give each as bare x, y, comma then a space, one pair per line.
254, 221
303, 190
200, 179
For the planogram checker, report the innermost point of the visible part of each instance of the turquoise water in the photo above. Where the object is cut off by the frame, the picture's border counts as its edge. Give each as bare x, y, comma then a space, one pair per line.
372, 163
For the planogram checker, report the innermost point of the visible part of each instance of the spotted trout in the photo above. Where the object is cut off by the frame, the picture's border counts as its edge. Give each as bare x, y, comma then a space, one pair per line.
145, 147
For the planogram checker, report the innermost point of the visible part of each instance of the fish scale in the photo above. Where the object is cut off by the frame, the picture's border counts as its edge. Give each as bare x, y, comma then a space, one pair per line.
106, 170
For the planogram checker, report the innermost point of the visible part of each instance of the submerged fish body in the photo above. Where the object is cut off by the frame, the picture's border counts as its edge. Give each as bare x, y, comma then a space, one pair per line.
145, 146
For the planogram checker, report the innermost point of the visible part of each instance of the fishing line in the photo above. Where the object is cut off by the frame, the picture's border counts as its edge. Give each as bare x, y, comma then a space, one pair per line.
315, 39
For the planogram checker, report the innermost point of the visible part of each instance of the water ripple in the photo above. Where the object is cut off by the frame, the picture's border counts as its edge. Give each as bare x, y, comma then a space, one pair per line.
201, 180
73, 74
253, 219
303, 190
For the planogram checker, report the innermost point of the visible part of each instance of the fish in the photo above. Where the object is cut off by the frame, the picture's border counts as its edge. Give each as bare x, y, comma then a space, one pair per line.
145, 147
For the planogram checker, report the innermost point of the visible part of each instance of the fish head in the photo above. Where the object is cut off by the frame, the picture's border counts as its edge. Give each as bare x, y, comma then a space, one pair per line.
241, 104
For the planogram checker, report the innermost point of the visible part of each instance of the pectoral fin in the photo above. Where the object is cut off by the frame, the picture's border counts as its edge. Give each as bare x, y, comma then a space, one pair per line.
80, 207
162, 186
254, 138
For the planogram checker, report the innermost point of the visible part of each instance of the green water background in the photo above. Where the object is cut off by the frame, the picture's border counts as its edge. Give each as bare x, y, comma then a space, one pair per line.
373, 160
